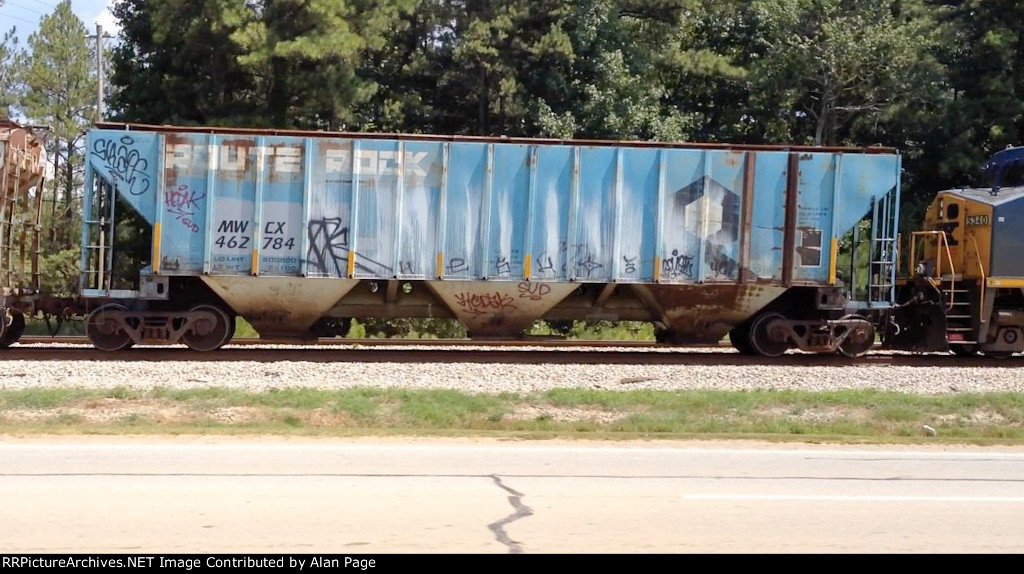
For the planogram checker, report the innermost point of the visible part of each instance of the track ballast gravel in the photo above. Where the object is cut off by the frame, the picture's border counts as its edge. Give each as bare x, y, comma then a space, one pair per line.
500, 378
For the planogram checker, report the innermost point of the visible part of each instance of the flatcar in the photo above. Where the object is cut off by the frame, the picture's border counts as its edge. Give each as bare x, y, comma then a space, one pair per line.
776, 247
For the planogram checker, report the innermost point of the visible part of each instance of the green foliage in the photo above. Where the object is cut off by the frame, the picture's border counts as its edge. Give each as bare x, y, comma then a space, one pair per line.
59, 78
11, 60
831, 69
59, 273
985, 66
446, 409
176, 63
244, 330
595, 330
58, 88
134, 239
842, 416
407, 329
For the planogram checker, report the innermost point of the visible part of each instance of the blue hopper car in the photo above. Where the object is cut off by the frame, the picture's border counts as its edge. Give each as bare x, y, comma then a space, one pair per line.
298, 232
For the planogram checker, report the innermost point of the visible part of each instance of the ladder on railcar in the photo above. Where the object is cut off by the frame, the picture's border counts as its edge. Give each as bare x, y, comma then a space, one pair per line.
956, 298
19, 212
883, 256
98, 221
955, 294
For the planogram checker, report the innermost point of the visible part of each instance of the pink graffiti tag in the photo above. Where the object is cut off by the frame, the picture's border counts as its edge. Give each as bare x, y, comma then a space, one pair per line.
183, 204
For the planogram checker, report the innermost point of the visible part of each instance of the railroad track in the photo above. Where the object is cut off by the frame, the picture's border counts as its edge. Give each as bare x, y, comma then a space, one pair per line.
544, 352
545, 342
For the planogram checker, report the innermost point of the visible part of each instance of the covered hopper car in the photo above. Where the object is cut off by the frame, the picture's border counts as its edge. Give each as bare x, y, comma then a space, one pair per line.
297, 232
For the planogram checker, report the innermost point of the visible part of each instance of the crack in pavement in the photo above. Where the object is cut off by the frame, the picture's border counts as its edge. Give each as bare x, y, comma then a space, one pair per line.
521, 511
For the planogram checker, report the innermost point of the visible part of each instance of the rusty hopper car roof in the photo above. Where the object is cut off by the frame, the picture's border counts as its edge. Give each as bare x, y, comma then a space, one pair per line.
484, 139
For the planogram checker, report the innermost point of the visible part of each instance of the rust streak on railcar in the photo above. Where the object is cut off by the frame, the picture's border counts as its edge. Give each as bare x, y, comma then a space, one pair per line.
745, 274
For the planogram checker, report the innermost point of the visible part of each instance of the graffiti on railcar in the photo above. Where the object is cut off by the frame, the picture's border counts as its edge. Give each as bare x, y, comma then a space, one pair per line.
586, 265
457, 265
545, 265
719, 262
584, 262
126, 164
677, 266
183, 204
329, 248
533, 291
502, 266
629, 264
477, 304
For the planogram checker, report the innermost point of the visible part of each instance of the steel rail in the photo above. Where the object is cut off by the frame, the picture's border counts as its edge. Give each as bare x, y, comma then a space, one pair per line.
379, 342
386, 352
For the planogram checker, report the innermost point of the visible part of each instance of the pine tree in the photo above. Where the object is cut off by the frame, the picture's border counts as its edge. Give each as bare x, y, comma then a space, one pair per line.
10, 59
60, 91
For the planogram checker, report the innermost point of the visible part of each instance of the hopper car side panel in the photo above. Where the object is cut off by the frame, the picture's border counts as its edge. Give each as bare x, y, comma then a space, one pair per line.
767, 218
482, 220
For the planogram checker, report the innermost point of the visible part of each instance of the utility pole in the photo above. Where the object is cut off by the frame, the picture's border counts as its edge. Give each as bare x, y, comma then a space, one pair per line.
99, 70
99, 73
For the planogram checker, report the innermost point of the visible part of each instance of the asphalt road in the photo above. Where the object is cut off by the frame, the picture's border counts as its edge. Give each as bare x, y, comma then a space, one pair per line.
401, 496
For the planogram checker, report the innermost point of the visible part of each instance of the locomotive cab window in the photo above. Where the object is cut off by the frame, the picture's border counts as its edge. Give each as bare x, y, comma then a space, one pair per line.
953, 211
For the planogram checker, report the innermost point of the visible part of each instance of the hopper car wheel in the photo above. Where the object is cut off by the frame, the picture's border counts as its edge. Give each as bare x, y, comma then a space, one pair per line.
104, 332
761, 337
207, 335
860, 341
740, 339
13, 330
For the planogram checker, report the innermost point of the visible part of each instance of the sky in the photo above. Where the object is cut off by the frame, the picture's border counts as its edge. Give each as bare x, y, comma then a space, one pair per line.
24, 15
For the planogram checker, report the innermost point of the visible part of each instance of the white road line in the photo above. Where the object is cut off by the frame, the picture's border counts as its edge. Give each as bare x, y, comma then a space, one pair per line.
828, 498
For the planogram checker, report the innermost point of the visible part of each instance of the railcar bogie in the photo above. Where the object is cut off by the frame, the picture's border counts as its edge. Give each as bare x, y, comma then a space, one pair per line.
107, 328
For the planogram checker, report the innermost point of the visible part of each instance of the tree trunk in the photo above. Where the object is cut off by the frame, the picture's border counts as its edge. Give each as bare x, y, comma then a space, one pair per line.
278, 97
482, 103
68, 190
55, 186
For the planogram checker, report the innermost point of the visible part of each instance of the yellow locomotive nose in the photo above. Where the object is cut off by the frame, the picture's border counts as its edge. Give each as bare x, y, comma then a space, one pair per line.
965, 292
